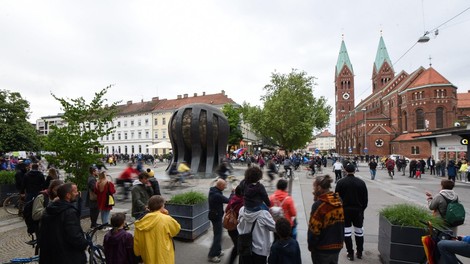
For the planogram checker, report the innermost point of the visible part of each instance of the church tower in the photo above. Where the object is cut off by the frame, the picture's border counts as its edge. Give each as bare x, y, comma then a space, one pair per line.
382, 71
344, 84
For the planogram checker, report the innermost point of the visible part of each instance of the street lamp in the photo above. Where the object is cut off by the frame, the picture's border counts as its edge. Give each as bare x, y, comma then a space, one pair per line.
365, 130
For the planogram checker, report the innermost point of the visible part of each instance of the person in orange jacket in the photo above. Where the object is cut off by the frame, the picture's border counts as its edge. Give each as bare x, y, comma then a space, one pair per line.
282, 198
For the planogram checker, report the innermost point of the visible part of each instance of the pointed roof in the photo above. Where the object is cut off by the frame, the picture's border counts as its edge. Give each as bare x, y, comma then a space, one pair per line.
343, 59
428, 77
382, 55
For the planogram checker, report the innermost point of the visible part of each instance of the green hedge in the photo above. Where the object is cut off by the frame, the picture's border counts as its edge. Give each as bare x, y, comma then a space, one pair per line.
410, 215
7, 177
188, 198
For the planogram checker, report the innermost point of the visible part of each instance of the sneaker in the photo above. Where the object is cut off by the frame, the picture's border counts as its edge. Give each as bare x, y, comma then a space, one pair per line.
221, 253
359, 255
350, 256
215, 259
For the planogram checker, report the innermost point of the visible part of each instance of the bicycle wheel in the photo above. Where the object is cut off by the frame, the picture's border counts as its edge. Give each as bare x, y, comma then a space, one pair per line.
309, 174
192, 180
96, 255
12, 203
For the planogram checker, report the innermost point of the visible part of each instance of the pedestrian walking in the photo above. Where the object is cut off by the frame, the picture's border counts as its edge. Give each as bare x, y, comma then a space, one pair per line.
353, 193
372, 169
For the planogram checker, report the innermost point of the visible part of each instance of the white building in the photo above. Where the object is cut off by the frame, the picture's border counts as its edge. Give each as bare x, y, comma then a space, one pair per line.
43, 125
324, 141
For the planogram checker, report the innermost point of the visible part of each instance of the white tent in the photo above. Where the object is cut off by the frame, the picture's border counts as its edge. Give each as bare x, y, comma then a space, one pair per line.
161, 145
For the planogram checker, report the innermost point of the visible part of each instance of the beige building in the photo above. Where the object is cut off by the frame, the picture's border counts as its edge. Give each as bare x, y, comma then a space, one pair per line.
324, 141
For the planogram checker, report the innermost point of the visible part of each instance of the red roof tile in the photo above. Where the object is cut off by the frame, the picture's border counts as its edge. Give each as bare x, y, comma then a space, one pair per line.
463, 100
325, 133
212, 99
429, 76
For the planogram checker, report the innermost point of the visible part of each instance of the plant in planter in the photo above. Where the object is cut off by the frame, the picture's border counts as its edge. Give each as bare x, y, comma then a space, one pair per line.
7, 184
190, 209
400, 232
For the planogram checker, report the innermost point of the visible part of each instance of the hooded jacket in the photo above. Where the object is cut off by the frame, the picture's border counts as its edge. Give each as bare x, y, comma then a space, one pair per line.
277, 198
285, 251
264, 224
61, 237
140, 197
439, 204
153, 238
326, 224
119, 247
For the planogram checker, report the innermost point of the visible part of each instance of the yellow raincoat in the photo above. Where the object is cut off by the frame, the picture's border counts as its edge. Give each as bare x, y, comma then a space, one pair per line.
153, 238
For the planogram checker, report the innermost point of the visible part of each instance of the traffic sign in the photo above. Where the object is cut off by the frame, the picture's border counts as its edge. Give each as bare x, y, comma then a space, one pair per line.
350, 150
317, 151
366, 150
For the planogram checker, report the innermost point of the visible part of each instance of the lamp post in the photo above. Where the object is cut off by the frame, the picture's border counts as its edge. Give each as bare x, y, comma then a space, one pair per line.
365, 130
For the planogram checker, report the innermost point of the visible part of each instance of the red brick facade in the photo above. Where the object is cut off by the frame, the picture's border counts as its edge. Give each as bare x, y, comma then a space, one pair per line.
401, 107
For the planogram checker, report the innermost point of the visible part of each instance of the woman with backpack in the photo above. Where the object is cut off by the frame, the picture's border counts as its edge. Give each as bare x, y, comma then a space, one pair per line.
233, 207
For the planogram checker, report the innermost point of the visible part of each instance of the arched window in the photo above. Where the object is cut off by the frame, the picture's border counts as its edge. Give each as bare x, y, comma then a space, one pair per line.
440, 117
419, 119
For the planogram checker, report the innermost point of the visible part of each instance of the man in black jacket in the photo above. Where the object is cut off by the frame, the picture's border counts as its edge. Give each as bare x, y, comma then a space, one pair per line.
33, 182
61, 237
216, 212
353, 193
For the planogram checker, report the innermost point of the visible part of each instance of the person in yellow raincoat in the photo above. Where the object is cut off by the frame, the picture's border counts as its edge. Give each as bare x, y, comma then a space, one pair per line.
154, 232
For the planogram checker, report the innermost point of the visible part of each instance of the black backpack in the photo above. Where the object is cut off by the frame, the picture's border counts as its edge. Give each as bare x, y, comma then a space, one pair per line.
32, 225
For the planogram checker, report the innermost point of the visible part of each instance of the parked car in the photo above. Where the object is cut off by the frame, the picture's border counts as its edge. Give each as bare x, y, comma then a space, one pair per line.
396, 156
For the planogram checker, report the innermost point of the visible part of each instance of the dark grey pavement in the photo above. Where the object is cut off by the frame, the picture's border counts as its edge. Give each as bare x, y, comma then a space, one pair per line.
382, 191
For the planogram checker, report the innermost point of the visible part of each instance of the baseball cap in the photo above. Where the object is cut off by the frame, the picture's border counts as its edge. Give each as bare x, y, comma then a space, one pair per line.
350, 168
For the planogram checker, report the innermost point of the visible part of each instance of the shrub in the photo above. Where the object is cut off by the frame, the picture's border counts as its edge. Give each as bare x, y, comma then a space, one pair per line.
410, 215
7, 177
188, 198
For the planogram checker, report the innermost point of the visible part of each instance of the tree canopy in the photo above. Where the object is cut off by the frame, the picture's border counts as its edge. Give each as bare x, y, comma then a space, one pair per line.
76, 144
234, 119
16, 132
290, 111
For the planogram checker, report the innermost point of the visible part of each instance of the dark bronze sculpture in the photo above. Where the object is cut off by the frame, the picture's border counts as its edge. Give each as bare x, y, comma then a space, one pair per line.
199, 136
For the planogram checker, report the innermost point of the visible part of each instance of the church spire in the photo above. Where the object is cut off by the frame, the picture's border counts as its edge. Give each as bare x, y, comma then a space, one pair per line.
382, 56
343, 59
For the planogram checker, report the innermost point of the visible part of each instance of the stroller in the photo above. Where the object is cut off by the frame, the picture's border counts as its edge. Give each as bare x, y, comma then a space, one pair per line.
435, 234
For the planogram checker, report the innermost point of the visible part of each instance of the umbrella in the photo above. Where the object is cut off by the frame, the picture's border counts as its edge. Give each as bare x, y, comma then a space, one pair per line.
240, 151
161, 145
265, 150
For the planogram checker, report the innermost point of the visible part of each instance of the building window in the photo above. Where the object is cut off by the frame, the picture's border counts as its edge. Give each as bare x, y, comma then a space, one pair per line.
147, 134
415, 150
155, 122
132, 122
156, 134
140, 149
405, 121
107, 137
440, 117
119, 136
163, 133
132, 149
132, 137
139, 123
146, 121
419, 119
125, 136
125, 123
112, 137
163, 121
125, 149
139, 135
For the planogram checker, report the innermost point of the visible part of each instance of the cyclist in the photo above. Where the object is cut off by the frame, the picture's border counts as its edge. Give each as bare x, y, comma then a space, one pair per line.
390, 164
287, 166
127, 176
183, 170
272, 169
224, 169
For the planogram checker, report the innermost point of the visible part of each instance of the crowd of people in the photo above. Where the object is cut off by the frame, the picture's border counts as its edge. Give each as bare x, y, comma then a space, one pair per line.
271, 220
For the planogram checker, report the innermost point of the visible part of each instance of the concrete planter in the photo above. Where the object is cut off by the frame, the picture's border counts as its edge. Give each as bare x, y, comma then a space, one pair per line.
400, 244
192, 218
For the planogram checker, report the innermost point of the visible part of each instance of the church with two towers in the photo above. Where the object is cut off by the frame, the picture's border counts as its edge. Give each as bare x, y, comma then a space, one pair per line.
401, 108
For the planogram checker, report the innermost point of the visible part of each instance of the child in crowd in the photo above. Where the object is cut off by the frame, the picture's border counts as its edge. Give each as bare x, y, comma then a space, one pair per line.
285, 250
255, 195
118, 243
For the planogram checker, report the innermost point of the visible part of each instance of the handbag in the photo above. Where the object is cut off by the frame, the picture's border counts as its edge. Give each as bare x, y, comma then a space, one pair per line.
110, 198
245, 242
230, 221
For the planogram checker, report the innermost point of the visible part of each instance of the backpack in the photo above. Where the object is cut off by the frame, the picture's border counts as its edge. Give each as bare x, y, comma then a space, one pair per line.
32, 225
276, 211
455, 213
230, 220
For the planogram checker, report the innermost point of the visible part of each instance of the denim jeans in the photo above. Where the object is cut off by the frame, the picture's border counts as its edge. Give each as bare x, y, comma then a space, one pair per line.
216, 247
372, 174
448, 249
105, 216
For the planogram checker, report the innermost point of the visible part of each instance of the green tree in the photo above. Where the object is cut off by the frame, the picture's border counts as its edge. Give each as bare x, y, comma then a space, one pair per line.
234, 120
290, 111
16, 132
76, 144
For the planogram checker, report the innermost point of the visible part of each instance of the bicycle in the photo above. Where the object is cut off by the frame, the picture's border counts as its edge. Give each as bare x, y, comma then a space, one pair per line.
190, 180
430, 241
95, 251
309, 173
14, 204
231, 180
123, 188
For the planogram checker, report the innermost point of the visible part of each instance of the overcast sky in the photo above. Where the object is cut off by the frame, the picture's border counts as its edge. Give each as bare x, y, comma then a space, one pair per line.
166, 48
